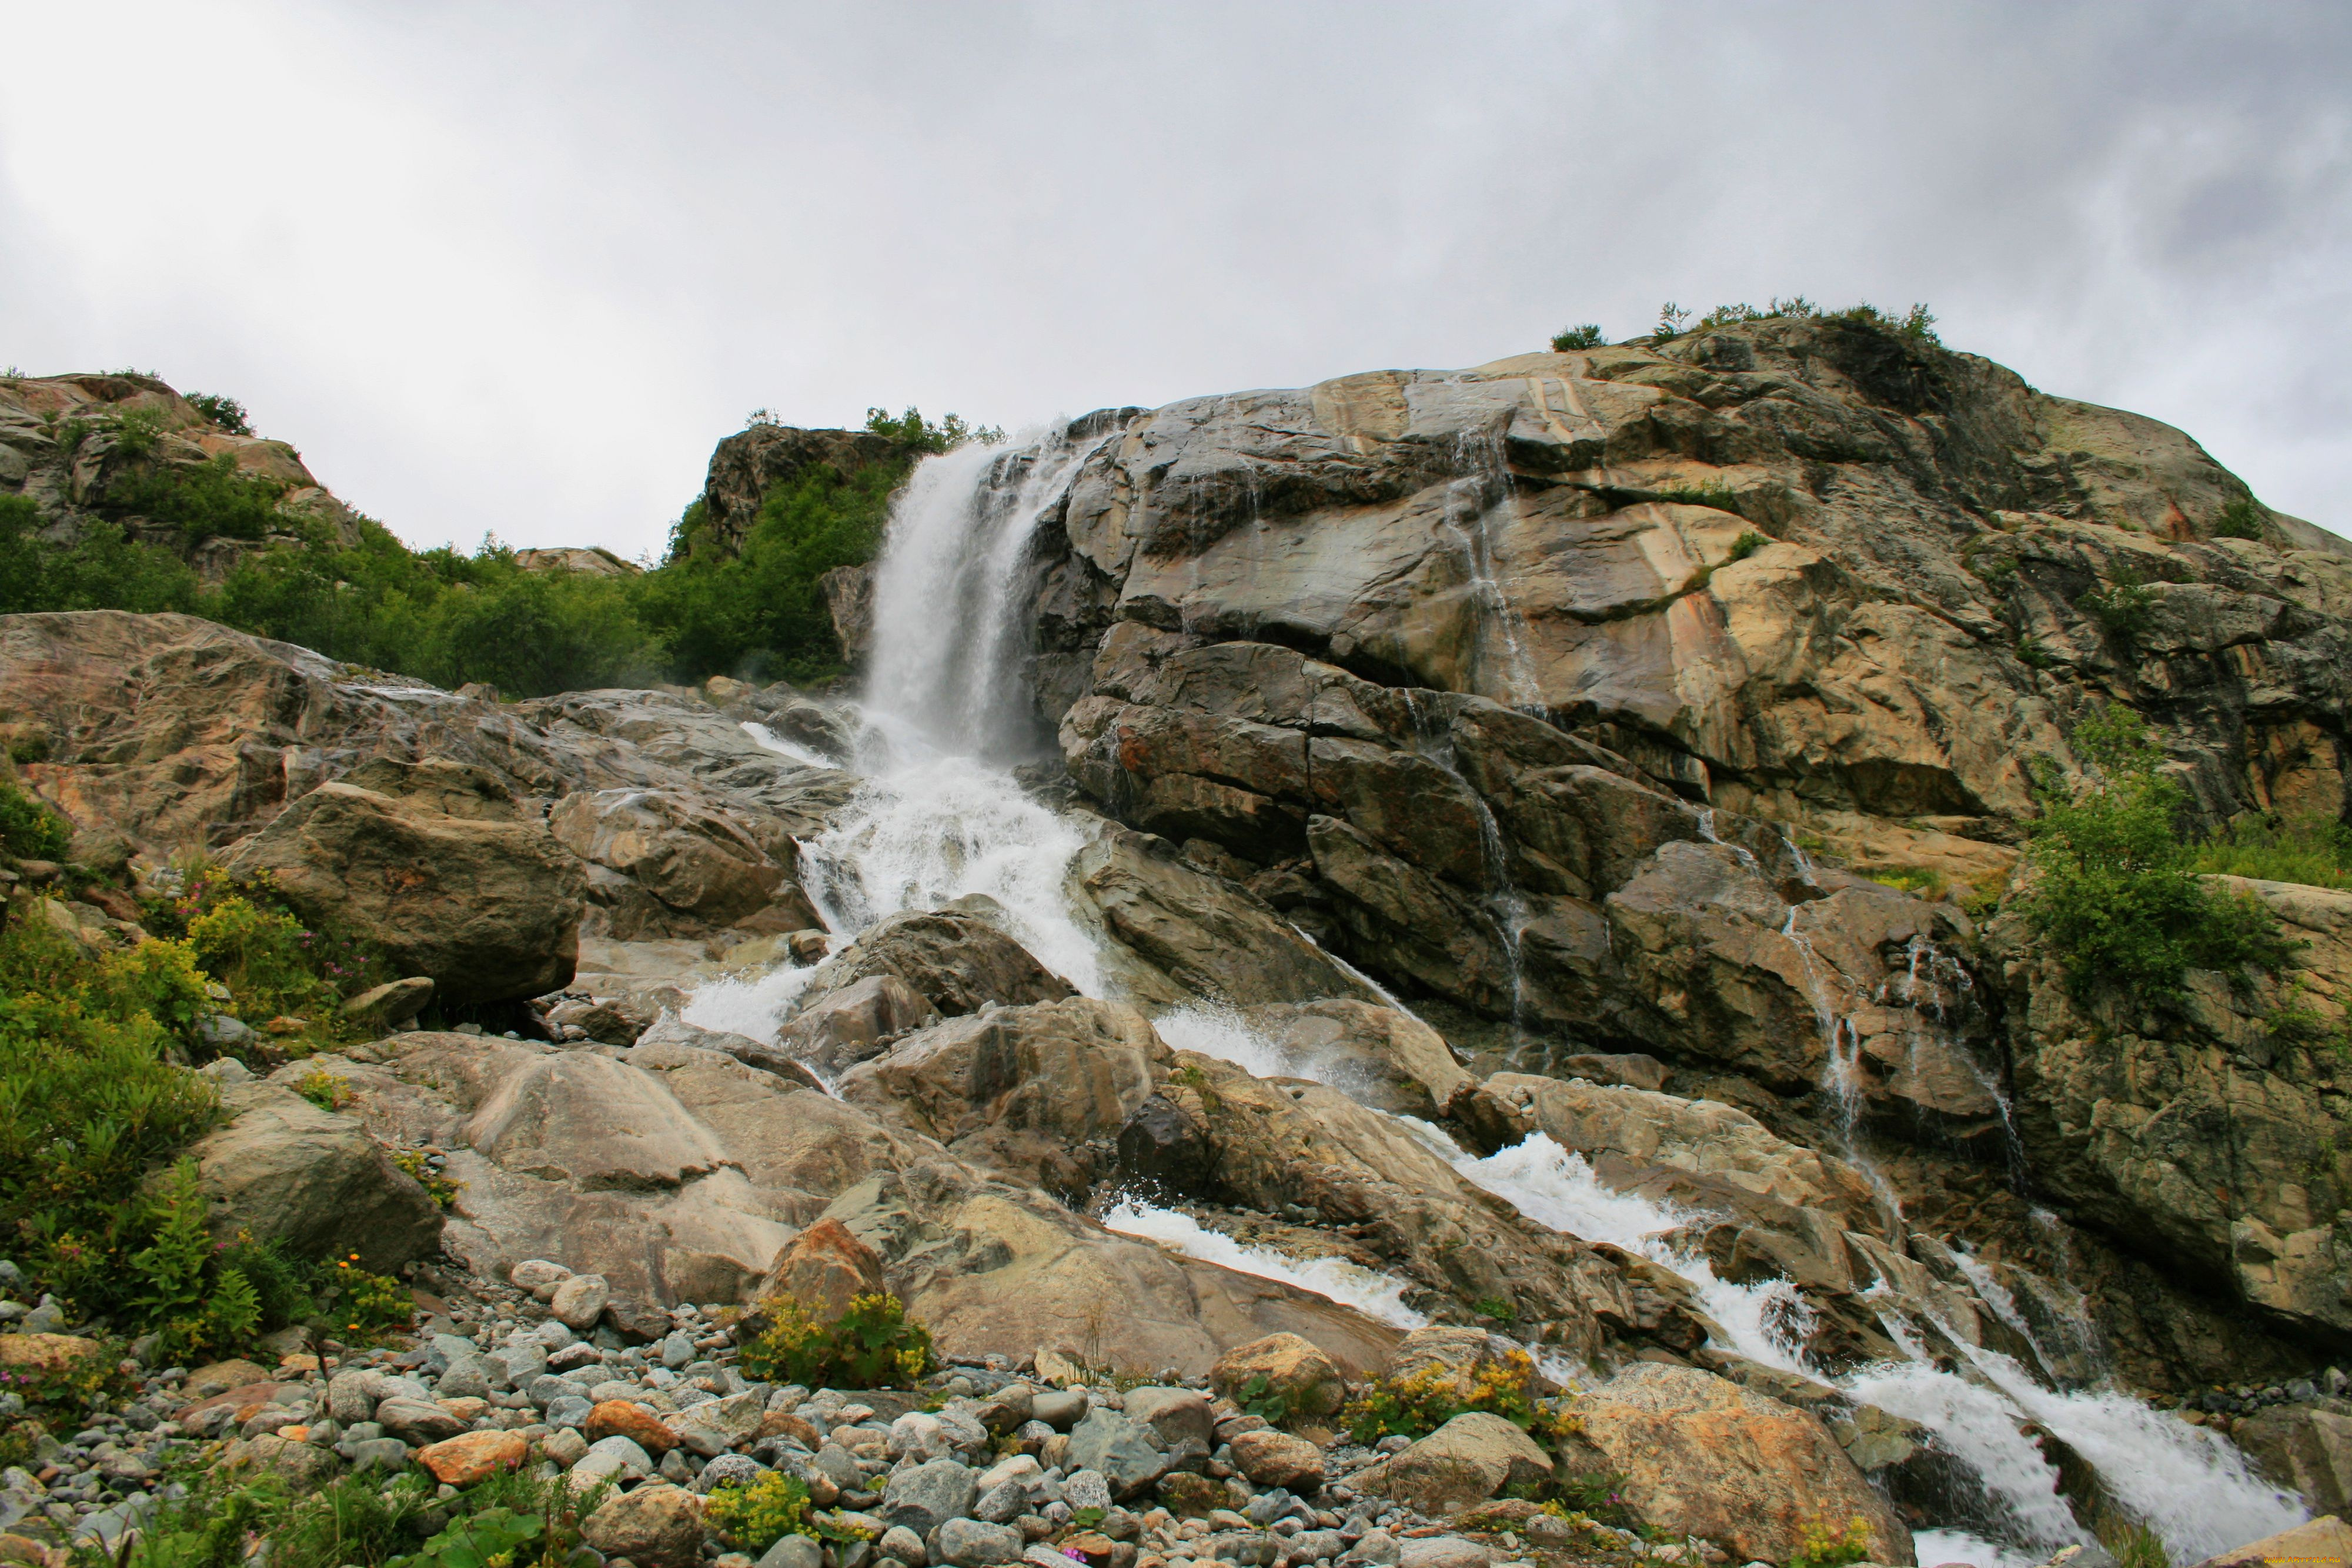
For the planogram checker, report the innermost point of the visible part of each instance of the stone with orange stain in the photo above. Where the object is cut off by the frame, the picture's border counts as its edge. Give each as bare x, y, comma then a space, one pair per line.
620, 1418
825, 1267
785, 1423
471, 1457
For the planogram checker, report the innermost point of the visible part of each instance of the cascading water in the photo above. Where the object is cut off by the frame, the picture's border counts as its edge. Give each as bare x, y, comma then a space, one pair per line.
940, 816
2192, 1489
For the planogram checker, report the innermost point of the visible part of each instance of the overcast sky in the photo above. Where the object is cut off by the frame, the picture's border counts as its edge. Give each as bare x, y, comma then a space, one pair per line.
516, 267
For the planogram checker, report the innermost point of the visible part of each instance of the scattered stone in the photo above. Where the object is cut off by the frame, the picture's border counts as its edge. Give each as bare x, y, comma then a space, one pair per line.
1126, 1451
1295, 1370
974, 1543
925, 1496
580, 1301
619, 1417
472, 1457
1465, 1462
1271, 1459
653, 1527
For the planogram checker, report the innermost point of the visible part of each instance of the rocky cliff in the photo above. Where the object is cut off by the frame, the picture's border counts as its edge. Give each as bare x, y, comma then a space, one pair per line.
1530, 849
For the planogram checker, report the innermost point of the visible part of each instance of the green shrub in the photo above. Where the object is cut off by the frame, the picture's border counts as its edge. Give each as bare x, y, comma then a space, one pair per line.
1747, 544
870, 1345
2124, 608
29, 828
911, 429
88, 1107
224, 412
2315, 851
361, 1521
1587, 336
1833, 1546
2119, 899
103, 569
242, 933
755, 1517
1419, 1403
199, 500
2240, 519
1671, 320
2032, 654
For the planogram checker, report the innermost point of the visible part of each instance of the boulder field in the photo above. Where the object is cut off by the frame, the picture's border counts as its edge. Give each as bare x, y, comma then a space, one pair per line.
1495, 803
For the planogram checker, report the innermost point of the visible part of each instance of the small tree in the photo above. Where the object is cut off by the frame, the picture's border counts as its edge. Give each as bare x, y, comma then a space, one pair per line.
2116, 899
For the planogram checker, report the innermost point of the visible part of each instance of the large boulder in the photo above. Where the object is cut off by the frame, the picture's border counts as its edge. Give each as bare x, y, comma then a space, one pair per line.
1467, 1461
826, 1269
674, 864
1702, 1456
861, 1019
1025, 1088
1382, 1056
1281, 1145
2305, 1448
958, 960
283, 1170
488, 910
1293, 1370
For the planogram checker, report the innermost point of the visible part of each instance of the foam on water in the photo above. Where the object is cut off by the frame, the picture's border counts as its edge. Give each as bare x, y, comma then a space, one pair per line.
1372, 1293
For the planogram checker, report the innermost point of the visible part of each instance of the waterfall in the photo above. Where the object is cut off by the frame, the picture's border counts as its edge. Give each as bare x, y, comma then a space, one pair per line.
939, 816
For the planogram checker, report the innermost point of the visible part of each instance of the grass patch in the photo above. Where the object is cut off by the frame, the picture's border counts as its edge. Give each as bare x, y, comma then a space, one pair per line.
2119, 899
2315, 851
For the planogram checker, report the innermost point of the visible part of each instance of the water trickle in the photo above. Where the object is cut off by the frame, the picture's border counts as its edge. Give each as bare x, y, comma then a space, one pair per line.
1373, 1293
1472, 503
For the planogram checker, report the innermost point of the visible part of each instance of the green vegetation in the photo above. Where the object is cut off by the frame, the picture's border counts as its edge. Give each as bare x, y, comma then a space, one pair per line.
1919, 323
514, 1520
1421, 1402
453, 618
872, 1344
94, 1115
754, 1518
29, 829
2124, 608
2312, 850
1831, 1546
2240, 519
1671, 320
1749, 543
224, 412
2117, 898
241, 931
1587, 336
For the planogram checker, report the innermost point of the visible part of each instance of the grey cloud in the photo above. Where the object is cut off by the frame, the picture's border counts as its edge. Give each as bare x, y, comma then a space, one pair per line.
516, 268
